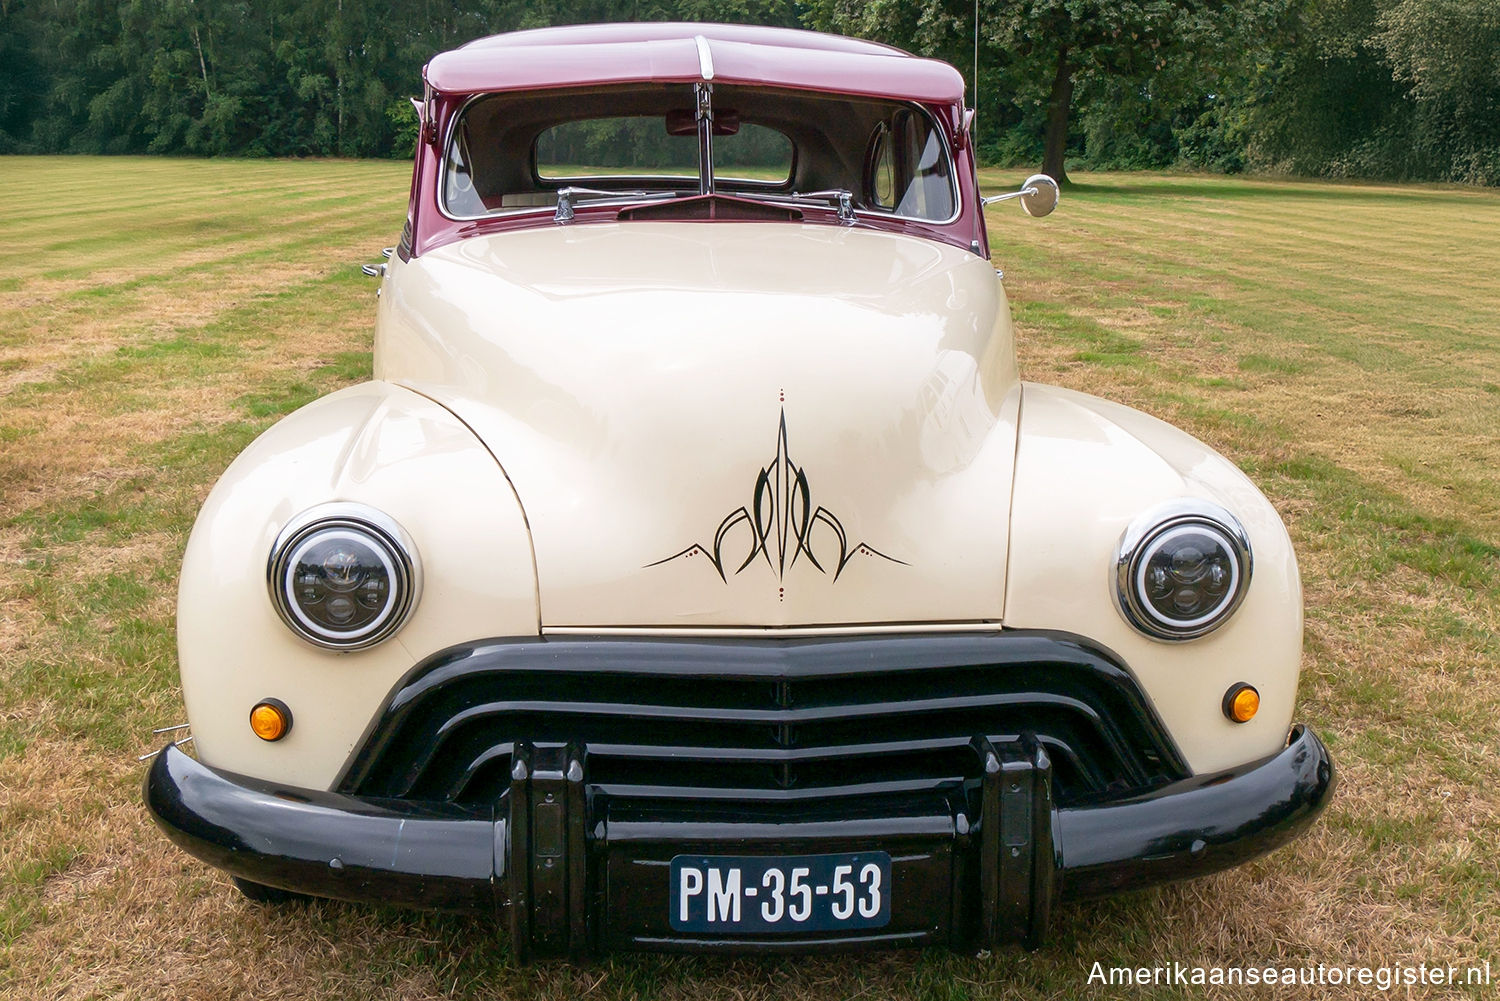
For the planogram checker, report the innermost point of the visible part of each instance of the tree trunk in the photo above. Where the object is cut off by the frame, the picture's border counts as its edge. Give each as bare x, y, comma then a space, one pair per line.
1058, 107
208, 88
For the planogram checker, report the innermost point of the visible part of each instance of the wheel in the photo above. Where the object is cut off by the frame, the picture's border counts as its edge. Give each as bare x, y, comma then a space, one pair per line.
263, 894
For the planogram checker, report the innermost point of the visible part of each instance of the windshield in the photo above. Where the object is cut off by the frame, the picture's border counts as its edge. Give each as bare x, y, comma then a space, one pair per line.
512, 153
640, 147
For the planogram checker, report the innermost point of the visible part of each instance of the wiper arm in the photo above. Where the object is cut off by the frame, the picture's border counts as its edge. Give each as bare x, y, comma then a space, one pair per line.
568, 198
843, 196
565, 197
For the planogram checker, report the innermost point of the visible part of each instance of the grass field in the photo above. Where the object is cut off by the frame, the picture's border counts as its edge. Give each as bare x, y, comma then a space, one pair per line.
1340, 342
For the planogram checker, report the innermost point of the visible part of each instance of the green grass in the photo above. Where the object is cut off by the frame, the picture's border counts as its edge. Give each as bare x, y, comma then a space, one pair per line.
1340, 342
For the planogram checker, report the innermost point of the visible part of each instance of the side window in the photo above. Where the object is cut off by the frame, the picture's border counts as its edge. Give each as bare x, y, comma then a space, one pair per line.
906, 171
880, 176
461, 198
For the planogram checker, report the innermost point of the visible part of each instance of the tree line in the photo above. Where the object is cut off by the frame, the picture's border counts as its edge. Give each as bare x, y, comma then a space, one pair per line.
1404, 89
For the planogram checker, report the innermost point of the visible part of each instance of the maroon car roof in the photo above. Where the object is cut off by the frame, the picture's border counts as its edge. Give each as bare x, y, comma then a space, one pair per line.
602, 54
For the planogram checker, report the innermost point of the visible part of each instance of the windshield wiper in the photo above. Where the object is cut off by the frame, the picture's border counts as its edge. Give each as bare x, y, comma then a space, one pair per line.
565, 198
843, 196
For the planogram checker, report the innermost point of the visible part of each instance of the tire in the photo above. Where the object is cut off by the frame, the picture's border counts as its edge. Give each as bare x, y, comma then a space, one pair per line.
263, 894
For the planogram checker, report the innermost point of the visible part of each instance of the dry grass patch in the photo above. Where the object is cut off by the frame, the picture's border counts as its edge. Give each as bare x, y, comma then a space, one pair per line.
1351, 329
143, 342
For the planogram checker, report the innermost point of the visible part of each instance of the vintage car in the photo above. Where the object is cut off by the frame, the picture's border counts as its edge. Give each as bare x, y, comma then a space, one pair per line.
696, 572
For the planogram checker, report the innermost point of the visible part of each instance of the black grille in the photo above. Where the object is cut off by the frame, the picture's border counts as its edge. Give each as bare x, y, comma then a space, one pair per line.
770, 720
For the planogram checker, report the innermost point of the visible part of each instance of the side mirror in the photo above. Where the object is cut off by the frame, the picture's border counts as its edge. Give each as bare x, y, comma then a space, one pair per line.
1039, 196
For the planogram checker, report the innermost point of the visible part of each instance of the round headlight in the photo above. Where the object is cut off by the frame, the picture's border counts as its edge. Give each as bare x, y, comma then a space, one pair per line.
343, 576
1182, 570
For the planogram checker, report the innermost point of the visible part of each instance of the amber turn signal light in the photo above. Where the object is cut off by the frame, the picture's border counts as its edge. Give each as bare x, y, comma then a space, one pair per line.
270, 719
1241, 703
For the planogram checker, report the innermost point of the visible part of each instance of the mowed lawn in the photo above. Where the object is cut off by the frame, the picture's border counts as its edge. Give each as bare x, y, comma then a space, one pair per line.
1340, 342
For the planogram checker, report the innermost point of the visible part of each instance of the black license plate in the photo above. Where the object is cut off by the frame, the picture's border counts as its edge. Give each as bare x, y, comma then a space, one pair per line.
780, 893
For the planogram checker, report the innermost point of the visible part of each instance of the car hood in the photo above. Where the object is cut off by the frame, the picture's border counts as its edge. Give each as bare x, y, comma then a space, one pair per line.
728, 424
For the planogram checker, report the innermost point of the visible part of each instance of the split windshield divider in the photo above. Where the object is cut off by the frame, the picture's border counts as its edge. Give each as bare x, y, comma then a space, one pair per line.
705, 101
703, 94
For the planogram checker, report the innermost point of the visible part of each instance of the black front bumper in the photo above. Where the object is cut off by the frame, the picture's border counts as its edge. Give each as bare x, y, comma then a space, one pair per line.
571, 873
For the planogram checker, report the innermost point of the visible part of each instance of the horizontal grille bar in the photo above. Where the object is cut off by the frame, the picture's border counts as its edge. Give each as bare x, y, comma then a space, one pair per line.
763, 719
731, 717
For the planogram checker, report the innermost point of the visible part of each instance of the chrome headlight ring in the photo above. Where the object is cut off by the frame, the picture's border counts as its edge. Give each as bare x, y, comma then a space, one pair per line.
1182, 569
343, 576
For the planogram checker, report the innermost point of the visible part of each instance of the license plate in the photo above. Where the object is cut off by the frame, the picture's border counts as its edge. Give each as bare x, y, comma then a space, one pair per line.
780, 893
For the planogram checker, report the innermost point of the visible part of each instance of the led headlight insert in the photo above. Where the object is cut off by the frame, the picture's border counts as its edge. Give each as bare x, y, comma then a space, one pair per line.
1182, 569
343, 576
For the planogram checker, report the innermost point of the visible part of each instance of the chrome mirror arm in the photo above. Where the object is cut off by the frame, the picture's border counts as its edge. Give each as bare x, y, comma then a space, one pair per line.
1039, 195
992, 199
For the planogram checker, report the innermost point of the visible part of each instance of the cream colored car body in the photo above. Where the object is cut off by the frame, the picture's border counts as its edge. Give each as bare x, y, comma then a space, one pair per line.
562, 419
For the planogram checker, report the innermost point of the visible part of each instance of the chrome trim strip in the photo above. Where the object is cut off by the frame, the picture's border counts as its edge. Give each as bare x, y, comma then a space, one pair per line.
705, 58
750, 632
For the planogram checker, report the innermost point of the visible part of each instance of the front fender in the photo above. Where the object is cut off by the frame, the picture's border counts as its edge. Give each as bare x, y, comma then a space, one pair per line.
1086, 468
374, 444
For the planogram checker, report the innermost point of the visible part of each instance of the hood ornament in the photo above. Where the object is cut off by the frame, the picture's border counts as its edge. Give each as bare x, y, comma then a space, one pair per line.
781, 518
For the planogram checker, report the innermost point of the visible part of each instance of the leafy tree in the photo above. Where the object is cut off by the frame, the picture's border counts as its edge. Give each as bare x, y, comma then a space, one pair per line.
1324, 90
21, 86
1400, 88
282, 77
1383, 88
1049, 50
1447, 55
